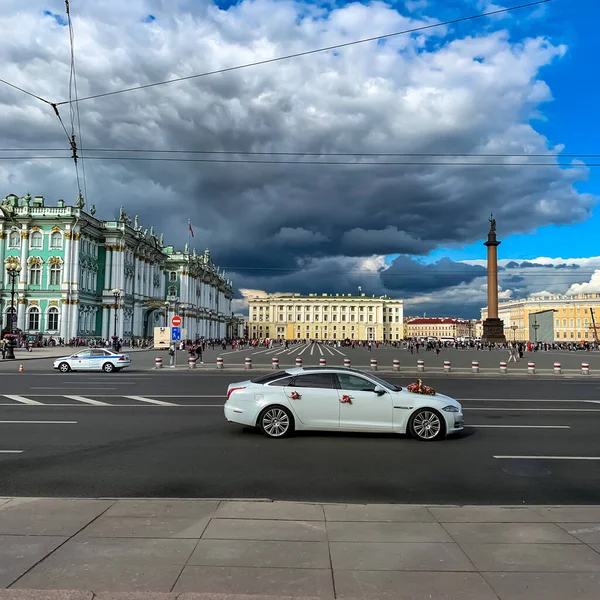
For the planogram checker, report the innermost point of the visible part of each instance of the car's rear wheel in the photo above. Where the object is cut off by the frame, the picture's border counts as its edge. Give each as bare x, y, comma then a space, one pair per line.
276, 422
427, 425
108, 367
64, 367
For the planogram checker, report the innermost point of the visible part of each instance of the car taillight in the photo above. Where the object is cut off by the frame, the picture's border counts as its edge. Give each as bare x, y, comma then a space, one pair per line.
121, 358
233, 390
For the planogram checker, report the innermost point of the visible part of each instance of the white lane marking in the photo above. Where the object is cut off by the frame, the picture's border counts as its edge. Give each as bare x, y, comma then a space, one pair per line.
70, 384
304, 350
149, 400
497, 408
121, 396
40, 422
339, 352
312, 349
588, 530
329, 350
21, 399
521, 400
11, 451
87, 400
549, 457
593, 401
75, 387
124, 405
320, 349
522, 426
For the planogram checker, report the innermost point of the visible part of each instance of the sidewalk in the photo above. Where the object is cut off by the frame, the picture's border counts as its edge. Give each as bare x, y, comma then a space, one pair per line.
200, 549
57, 351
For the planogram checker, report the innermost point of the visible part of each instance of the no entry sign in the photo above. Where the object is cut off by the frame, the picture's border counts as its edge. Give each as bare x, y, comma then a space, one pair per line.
176, 321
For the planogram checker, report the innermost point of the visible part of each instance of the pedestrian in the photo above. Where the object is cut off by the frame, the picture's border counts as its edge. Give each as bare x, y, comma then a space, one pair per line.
172, 355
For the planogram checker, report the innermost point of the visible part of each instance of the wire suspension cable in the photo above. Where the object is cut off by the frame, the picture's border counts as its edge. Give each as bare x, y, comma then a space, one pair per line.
307, 52
16, 87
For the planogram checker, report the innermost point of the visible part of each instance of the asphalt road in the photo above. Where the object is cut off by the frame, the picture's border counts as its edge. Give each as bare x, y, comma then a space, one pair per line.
96, 435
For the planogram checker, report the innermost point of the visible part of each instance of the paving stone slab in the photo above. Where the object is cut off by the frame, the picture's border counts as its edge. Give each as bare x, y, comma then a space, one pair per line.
19, 553
209, 596
144, 551
549, 586
570, 514
234, 580
486, 514
134, 596
96, 576
286, 511
393, 585
45, 595
398, 557
48, 516
150, 509
558, 558
378, 512
4, 501
240, 529
134, 527
252, 553
585, 532
387, 532
509, 533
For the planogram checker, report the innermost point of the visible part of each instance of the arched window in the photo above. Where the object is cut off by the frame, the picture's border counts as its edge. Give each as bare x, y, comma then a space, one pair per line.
173, 276
34, 319
172, 291
54, 274
36, 240
14, 239
35, 274
53, 319
56, 240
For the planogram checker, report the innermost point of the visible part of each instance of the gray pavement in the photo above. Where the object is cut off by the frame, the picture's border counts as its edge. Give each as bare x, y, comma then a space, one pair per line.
106, 548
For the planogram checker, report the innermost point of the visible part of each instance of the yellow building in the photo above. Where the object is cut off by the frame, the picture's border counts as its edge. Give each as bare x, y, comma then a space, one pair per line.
438, 328
572, 319
325, 317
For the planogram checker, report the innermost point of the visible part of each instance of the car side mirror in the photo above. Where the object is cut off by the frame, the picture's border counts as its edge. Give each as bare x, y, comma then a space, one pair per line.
379, 390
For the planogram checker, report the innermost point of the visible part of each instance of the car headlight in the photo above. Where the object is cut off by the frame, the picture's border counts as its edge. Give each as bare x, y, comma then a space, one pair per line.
450, 408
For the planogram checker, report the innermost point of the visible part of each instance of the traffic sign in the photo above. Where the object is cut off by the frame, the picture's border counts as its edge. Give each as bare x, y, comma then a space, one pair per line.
176, 321
175, 334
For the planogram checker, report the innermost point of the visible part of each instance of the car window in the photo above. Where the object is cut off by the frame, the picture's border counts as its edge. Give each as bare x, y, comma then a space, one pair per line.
267, 378
98, 353
83, 353
353, 382
315, 380
281, 382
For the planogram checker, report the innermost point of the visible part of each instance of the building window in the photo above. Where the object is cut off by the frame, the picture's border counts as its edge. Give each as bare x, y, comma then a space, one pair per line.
56, 240
578, 323
14, 239
571, 323
172, 276
557, 324
172, 291
34, 319
54, 274
53, 319
564, 323
36, 240
35, 275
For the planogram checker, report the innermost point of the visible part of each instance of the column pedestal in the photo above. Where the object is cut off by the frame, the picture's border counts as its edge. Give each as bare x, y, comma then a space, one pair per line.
493, 331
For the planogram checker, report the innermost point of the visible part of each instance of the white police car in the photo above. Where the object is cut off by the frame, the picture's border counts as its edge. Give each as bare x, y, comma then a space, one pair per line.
94, 359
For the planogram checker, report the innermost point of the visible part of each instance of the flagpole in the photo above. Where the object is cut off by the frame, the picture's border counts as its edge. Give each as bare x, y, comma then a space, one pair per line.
189, 232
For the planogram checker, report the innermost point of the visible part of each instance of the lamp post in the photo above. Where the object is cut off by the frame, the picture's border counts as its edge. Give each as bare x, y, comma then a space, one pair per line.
514, 328
117, 294
535, 327
166, 314
13, 268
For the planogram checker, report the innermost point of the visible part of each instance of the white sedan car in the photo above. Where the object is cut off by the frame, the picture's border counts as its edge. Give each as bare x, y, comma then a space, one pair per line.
94, 359
339, 399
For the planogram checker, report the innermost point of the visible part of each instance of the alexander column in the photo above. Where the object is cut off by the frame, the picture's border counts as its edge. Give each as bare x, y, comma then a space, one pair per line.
493, 327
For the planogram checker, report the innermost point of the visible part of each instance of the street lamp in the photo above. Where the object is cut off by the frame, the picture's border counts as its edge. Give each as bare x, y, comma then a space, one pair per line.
167, 314
535, 327
514, 328
13, 268
117, 294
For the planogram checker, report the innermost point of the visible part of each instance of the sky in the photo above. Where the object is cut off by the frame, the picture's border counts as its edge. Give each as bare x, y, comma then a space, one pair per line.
520, 83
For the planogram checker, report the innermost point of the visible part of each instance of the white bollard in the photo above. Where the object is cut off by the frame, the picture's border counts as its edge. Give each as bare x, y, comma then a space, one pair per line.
248, 362
585, 369
158, 363
219, 363
298, 362
374, 364
396, 364
475, 366
191, 362
347, 362
447, 366
531, 368
420, 365
322, 362
503, 367
275, 363
557, 369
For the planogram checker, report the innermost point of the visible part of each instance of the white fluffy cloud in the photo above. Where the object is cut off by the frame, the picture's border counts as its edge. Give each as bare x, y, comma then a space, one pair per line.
288, 225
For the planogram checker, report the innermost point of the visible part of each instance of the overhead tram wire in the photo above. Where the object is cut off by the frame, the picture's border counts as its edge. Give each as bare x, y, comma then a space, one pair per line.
308, 52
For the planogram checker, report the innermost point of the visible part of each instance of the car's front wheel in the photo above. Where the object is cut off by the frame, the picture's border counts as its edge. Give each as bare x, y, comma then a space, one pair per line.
427, 425
108, 367
64, 367
276, 422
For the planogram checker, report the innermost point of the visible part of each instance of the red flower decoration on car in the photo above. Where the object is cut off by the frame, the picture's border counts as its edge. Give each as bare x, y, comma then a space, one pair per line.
346, 399
295, 396
419, 388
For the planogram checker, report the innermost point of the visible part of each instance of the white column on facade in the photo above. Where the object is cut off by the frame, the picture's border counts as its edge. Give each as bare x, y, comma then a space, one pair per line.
105, 329
2, 248
24, 253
